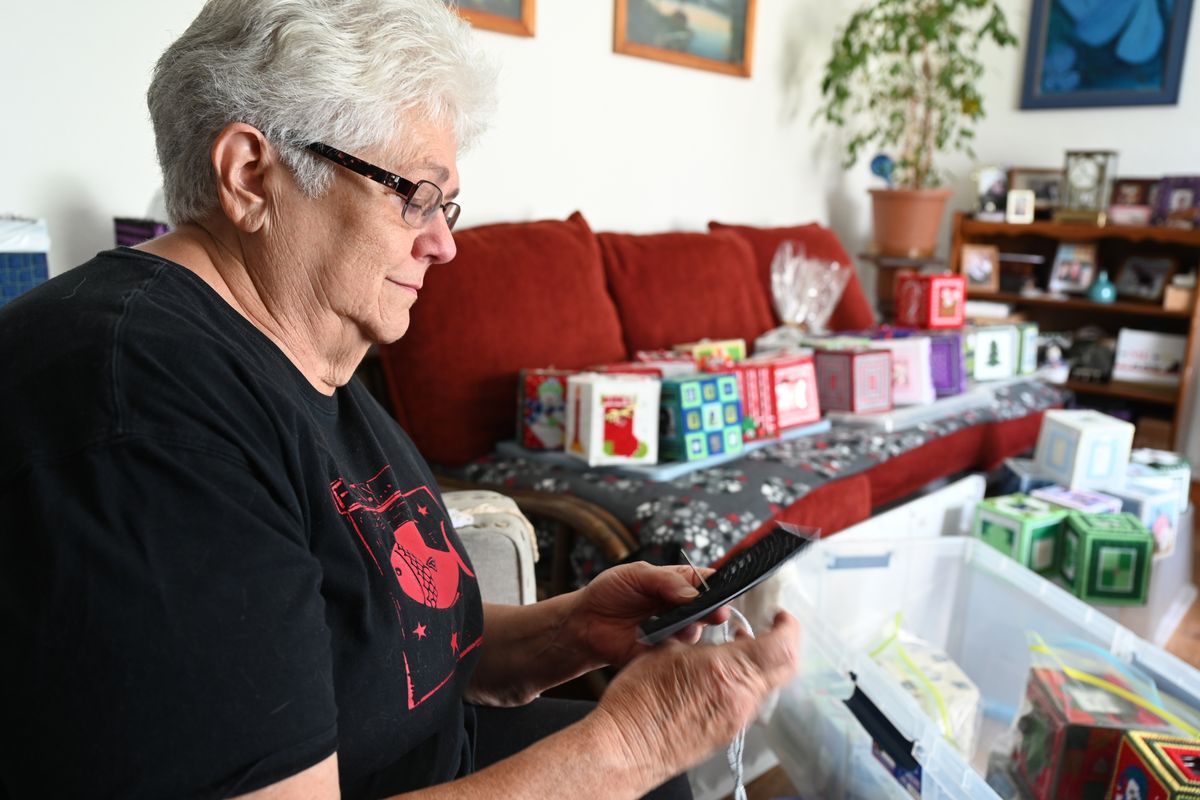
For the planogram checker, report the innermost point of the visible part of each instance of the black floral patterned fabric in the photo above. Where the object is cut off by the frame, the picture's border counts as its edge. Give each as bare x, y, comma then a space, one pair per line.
710, 510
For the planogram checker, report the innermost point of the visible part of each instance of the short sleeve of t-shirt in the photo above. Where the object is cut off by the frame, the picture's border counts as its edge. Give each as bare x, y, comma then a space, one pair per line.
170, 605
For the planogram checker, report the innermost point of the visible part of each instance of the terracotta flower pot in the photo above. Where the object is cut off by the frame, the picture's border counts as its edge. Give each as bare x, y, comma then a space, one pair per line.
907, 220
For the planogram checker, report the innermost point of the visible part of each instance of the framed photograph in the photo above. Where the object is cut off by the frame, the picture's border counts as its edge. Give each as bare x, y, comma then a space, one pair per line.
981, 266
716, 35
1177, 202
1045, 183
992, 190
1133, 201
506, 16
1145, 278
1104, 53
1019, 210
1074, 268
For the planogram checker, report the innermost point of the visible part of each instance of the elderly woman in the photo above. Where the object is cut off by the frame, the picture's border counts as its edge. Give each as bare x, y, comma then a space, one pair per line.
224, 570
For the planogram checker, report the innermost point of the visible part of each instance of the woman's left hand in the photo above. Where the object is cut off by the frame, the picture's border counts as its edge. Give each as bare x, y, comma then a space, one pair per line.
605, 619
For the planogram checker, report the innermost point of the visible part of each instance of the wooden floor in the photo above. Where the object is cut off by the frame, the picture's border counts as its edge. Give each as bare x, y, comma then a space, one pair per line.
1185, 645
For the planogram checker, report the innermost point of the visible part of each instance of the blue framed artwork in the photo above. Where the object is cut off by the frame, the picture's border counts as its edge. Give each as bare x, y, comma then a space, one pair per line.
1090, 53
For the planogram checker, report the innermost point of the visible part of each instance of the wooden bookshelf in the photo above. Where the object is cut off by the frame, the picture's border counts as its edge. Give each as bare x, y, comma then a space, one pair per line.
1114, 243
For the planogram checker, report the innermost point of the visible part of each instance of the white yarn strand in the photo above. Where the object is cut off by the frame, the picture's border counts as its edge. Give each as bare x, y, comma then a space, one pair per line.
738, 745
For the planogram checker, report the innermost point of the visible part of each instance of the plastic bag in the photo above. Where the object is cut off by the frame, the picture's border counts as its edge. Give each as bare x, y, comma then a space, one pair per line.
806, 290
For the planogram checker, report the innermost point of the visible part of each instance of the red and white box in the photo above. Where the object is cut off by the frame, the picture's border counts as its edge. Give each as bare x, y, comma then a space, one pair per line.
542, 408
613, 419
859, 381
930, 301
669, 362
779, 392
629, 368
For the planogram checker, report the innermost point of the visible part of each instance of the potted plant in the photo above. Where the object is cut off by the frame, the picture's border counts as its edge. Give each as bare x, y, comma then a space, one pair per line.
904, 78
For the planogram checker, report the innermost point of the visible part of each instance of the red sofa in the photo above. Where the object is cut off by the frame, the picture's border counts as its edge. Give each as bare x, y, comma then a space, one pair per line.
553, 293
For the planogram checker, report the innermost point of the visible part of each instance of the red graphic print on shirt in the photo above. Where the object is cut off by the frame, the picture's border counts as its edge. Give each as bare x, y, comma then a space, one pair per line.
404, 533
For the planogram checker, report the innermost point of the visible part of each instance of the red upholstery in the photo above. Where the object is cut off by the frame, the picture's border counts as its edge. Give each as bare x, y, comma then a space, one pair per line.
853, 311
671, 288
518, 295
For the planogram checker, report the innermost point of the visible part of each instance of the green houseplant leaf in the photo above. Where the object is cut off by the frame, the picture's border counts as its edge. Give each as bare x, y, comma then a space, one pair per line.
904, 76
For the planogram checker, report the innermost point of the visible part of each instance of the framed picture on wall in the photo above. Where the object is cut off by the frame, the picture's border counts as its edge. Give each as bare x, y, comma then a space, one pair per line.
716, 36
1092, 54
506, 16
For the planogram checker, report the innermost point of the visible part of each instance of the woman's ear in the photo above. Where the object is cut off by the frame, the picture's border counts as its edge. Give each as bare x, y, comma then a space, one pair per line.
241, 159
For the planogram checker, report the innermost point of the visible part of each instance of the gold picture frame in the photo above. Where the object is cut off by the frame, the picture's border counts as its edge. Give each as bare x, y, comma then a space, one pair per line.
495, 15
688, 33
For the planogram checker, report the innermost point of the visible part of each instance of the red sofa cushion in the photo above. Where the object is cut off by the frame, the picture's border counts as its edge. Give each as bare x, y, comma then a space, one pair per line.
672, 288
853, 311
453, 376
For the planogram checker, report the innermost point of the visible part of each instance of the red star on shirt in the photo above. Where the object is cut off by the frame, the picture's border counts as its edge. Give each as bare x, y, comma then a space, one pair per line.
454, 642
420, 630
423, 510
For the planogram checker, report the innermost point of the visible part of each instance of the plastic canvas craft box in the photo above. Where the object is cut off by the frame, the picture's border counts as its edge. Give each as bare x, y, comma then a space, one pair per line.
701, 417
957, 593
854, 380
542, 408
1084, 449
1157, 506
612, 419
912, 380
778, 392
1027, 359
947, 363
24, 244
1154, 766
714, 353
992, 352
930, 301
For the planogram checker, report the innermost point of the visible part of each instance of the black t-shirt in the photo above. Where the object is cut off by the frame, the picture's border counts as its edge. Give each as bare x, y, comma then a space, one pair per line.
212, 576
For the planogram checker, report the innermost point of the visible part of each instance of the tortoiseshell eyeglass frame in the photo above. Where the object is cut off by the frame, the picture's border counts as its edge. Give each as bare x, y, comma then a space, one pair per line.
416, 215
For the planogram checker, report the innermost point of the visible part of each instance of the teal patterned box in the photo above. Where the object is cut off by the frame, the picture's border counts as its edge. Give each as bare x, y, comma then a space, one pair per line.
701, 417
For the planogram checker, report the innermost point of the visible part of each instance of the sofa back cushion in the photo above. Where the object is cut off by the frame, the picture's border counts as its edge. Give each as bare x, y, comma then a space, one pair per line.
528, 294
853, 311
671, 288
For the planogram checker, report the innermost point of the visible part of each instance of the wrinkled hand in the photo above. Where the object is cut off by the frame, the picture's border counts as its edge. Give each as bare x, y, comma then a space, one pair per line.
605, 619
674, 705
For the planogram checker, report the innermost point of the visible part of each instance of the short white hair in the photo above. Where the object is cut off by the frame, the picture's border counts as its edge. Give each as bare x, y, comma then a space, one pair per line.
350, 73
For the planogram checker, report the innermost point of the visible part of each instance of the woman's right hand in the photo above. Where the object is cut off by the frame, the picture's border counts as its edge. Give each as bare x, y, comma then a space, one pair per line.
671, 707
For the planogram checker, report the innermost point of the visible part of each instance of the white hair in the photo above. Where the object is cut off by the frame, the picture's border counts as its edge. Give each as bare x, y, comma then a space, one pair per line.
350, 73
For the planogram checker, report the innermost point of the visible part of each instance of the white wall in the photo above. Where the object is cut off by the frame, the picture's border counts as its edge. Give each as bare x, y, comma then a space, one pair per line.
636, 145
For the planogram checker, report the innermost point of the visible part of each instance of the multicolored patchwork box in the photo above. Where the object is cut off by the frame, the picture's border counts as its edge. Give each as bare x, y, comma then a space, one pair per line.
1084, 449
714, 353
1157, 506
779, 392
947, 363
1079, 500
1024, 528
701, 417
542, 408
1156, 766
930, 301
912, 382
1070, 735
1106, 558
859, 381
612, 419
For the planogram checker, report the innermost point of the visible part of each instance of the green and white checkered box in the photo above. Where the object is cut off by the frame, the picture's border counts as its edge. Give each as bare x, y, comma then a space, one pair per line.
1106, 557
1024, 528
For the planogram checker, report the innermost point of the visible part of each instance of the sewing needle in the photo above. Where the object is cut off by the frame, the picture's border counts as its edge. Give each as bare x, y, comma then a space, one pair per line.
696, 571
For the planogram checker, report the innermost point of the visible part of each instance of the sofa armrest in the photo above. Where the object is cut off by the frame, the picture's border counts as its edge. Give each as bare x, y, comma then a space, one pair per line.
500, 542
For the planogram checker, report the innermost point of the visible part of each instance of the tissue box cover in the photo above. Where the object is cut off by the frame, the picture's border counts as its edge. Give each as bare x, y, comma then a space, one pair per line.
1157, 506
1021, 475
1027, 336
668, 362
1145, 462
930, 301
1106, 557
701, 417
1070, 736
1024, 528
778, 392
542, 408
1156, 766
612, 419
912, 382
1084, 449
714, 353
855, 380
947, 363
993, 352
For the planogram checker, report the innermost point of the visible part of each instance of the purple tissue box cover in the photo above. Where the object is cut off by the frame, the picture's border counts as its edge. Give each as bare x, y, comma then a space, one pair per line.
946, 363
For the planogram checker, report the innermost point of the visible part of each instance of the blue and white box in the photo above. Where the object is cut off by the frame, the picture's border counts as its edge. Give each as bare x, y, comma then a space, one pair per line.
1079, 500
1084, 449
1027, 332
1021, 476
1158, 509
1162, 466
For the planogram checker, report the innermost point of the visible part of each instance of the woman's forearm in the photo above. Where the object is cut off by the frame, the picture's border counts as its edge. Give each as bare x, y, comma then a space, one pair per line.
526, 650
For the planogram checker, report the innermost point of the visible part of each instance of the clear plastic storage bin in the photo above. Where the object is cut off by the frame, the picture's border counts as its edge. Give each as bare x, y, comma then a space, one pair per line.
956, 593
